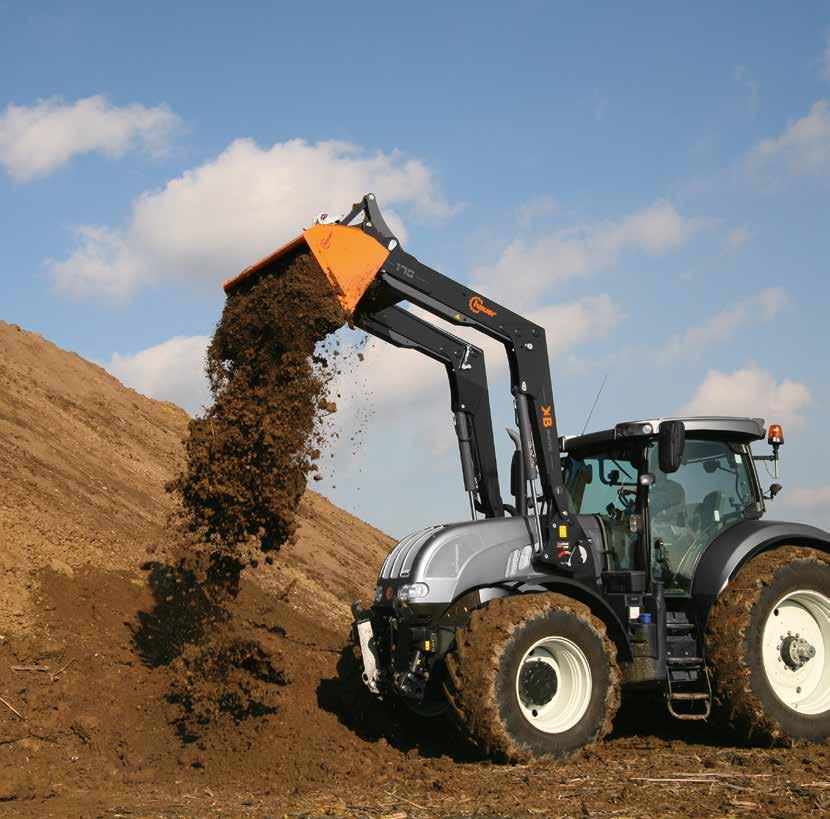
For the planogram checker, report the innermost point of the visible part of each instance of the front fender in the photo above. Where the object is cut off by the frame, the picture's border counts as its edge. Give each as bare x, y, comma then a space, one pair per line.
578, 591
730, 550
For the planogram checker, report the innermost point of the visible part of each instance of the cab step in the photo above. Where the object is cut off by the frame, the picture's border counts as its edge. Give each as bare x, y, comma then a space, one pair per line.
686, 704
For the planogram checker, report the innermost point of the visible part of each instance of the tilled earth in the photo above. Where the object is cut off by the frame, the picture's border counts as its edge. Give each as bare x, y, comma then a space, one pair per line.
96, 736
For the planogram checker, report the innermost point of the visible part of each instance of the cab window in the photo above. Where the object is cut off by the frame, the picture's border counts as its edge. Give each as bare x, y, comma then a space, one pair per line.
606, 486
690, 507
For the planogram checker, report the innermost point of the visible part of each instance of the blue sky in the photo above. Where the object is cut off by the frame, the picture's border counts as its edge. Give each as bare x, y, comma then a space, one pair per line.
651, 183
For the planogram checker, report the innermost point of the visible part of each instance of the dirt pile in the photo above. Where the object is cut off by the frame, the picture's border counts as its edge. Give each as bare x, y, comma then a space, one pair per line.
83, 462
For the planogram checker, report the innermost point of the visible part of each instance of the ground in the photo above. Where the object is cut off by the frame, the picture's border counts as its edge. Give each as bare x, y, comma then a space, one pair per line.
87, 726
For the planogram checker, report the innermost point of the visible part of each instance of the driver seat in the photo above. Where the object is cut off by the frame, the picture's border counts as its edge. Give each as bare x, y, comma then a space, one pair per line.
668, 502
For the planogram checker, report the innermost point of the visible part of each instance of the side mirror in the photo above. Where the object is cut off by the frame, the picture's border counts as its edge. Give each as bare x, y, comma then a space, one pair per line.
671, 445
774, 490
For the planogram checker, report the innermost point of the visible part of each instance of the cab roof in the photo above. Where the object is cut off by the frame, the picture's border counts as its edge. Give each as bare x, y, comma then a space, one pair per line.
747, 429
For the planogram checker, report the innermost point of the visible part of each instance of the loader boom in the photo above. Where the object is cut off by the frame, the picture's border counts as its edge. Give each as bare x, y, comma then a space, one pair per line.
369, 272
470, 400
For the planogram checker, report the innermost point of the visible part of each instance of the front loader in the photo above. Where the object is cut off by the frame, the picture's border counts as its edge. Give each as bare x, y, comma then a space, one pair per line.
634, 557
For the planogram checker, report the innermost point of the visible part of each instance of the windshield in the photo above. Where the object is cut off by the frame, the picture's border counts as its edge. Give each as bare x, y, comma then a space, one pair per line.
688, 508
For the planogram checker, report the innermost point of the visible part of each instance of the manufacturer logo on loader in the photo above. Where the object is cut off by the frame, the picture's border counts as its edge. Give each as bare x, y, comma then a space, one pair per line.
547, 416
477, 305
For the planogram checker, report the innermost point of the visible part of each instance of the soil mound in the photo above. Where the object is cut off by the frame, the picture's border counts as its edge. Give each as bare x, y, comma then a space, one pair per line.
83, 464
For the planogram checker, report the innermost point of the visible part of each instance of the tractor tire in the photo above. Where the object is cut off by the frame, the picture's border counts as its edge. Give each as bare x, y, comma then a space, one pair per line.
533, 675
774, 686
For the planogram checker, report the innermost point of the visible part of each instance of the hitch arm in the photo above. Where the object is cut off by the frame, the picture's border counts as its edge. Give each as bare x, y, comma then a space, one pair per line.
470, 400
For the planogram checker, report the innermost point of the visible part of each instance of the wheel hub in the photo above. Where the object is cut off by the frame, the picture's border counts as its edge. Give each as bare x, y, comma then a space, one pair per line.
553, 684
796, 651
538, 683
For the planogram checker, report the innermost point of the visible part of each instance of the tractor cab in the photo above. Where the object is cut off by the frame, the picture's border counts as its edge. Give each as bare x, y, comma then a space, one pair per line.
659, 510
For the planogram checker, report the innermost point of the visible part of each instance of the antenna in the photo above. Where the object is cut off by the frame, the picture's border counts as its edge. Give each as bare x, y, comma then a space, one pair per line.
594, 405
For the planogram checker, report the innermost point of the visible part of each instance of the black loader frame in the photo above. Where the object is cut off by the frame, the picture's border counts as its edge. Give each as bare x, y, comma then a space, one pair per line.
560, 538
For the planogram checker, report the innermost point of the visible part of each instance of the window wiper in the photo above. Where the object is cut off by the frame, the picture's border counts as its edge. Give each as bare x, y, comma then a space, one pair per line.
622, 468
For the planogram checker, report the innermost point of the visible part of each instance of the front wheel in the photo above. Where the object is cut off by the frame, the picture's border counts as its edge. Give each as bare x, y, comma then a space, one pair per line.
533, 675
768, 646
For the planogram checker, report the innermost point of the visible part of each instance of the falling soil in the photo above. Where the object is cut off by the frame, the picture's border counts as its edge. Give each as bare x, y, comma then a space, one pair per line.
249, 458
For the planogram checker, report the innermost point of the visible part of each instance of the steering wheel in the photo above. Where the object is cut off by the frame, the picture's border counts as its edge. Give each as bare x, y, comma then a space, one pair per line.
628, 497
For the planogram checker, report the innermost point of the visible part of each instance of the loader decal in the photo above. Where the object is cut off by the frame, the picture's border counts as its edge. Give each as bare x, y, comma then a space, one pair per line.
547, 416
477, 305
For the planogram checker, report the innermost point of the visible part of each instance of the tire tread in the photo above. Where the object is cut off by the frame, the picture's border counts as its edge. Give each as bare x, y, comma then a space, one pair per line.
470, 683
726, 643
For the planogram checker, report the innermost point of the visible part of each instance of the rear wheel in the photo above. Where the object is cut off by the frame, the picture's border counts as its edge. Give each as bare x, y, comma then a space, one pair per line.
768, 646
533, 675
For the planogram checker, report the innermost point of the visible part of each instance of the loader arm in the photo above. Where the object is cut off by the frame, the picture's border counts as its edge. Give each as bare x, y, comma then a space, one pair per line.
470, 400
369, 271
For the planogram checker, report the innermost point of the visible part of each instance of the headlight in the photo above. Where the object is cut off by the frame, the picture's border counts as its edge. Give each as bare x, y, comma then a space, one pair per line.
412, 591
378, 594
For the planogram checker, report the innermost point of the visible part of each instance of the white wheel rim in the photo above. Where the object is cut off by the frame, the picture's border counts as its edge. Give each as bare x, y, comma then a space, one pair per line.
568, 704
801, 683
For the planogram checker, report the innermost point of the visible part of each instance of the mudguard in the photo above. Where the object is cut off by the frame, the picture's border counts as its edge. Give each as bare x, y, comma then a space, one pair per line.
578, 591
731, 549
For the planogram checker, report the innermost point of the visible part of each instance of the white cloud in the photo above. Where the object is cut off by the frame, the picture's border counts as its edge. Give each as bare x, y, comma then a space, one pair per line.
803, 147
533, 267
171, 371
762, 307
817, 497
536, 208
37, 139
810, 505
750, 85
571, 324
212, 221
751, 392
417, 388
388, 377
738, 237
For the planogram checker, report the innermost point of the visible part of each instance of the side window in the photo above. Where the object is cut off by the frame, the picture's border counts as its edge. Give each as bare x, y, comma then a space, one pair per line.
605, 486
596, 483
